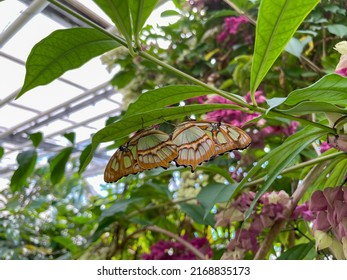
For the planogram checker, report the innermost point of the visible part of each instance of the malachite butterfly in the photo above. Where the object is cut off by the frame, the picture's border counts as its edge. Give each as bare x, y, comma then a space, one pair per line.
199, 141
147, 149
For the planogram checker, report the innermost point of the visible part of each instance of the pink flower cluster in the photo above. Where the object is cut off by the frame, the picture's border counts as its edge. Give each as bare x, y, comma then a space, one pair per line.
270, 208
231, 27
171, 250
330, 208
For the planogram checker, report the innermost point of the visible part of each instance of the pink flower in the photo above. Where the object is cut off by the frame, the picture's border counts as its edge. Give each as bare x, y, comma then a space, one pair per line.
231, 27
324, 147
341, 67
171, 250
330, 207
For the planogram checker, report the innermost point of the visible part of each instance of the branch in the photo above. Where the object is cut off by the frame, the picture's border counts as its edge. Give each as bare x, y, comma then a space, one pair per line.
186, 244
297, 195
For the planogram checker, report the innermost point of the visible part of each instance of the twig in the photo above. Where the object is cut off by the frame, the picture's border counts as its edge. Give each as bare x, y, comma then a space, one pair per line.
189, 246
297, 195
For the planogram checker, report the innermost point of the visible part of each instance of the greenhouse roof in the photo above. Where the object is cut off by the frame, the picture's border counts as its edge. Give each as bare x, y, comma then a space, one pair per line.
80, 101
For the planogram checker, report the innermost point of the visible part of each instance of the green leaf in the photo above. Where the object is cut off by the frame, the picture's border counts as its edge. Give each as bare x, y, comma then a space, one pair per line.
67, 243
304, 251
61, 51
70, 136
2, 151
214, 169
165, 96
140, 11
331, 89
214, 193
337, 175
119, 13
309, 107
118, 207
111, 215
127, 125
338, 30
26, 165
279, 158
36, 138
197, 213
277, 22
123, 78
84, 157
58, 163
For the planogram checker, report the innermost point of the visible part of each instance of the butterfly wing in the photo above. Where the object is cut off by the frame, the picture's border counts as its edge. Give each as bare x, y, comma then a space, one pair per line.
155, 149
225, 136
122, 163
194, 146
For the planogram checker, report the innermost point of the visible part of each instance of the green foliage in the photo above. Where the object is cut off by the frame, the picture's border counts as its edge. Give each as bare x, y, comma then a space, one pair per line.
61, 51
304, 251
57, 165
36, 138
170, 84
276, 24
26, 165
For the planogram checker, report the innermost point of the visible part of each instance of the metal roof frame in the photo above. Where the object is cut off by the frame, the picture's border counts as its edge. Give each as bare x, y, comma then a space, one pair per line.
16, 135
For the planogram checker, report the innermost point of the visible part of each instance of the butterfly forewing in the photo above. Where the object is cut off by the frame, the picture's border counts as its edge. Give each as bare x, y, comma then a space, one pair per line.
225, 136
194, 146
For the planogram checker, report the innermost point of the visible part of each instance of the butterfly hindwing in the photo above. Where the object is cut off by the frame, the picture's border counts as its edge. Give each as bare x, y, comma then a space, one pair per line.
122, 163
194, 146
155, 149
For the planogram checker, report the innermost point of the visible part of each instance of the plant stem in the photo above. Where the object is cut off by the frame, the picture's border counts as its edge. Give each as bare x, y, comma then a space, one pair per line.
297, 167
277, 227
241, 12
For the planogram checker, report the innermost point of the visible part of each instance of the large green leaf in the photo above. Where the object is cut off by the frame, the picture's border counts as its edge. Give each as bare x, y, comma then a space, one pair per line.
331, 88
214, 193
119, 13
26, 165
276, 24
125, 126
58, 163
306, 251
140, 11
309, 107
165, 96
279, 158
61, 51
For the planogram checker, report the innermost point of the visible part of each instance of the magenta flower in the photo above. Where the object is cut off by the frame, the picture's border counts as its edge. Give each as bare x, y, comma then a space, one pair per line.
231, 27
171, 250
324, 147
